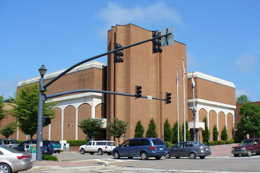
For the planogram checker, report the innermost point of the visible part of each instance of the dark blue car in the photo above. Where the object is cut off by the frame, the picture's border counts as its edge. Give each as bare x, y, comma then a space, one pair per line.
46, 149
141, 147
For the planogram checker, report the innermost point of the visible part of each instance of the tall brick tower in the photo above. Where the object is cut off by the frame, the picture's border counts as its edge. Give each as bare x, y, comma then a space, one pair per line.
155, 72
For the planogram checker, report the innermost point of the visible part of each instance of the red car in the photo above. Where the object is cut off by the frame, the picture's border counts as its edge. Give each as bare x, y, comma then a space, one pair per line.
247, 147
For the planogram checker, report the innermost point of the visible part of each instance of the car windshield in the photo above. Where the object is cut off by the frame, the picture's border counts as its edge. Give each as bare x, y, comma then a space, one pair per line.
246, 142
199, 144
10, 149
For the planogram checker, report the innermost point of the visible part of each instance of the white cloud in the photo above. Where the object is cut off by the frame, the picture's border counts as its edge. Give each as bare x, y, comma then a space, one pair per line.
157, 13
240, 92
246, 62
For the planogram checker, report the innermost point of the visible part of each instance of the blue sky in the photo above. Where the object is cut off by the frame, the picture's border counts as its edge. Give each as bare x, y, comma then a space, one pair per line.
222, 37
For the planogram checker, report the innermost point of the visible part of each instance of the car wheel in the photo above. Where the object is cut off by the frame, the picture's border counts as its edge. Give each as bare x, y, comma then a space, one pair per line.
58, 151
130, 157
202, 157
236, 155
158, 157
5, 168
177, 157
192, 156
116, 155
168, 156
100, 151
91, 153
249, 153
82, 151
109, 154
144, 155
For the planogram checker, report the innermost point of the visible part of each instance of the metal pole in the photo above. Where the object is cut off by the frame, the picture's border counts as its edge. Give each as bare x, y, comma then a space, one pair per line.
178, 117
194, 116
39, 121
184, 100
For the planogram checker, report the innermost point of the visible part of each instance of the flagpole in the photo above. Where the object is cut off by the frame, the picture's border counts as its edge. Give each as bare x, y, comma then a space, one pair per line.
184, 111
177, 80
194, 132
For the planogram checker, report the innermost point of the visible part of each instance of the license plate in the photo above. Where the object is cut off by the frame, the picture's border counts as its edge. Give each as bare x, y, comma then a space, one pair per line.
161, 149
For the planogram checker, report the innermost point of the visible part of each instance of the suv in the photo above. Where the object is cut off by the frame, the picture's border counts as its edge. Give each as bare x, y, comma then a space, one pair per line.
9, 143
247, 147
99, 147
141, 147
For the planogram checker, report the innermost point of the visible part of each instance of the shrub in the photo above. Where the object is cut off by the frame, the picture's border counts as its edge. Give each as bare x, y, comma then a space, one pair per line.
175, 133
168, 144
215, 133
151, 132
231, 141
49, 157
205, 133
139, 130
167, 131
224, 135
76, 142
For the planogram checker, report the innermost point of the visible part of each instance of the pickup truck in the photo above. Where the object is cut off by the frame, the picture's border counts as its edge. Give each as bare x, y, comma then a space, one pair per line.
99, 147
247, 147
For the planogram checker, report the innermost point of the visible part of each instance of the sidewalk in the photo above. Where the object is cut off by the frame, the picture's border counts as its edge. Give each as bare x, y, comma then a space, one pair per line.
221, 150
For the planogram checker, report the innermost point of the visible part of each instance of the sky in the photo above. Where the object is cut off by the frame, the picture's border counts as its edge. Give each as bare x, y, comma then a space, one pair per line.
222, 37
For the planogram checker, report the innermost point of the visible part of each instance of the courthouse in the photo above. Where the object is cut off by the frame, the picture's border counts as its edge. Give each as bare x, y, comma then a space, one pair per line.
156, 72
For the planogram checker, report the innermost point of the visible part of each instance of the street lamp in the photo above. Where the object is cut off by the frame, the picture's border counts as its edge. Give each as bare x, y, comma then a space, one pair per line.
194, 119
42, 71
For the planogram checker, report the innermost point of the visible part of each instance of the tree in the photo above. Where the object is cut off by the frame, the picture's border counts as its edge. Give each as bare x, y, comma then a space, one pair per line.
224, 135
7, 130
91, 127
187, 132
242, 99
117, 129
215, 133
139, 130
175, 133
2, 115
167, 131
25, 108
151, 132
206, 132
249, 119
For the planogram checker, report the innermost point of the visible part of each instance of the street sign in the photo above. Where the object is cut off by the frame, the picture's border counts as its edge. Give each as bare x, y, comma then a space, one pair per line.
169, 40
149, 97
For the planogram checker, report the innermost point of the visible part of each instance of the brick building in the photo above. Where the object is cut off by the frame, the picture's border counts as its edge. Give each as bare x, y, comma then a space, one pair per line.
155, 72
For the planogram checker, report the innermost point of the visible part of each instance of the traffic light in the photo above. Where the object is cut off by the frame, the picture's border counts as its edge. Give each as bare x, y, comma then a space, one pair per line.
46, 120
138, 91
168, 98
118, 54
156, 42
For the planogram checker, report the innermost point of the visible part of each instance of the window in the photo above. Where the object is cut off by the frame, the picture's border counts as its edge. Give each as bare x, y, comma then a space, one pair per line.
100, 143
134, 142
188, 144
144, 142
89, 143
158, 142
125, 144
179, 145
6, 142
111, 144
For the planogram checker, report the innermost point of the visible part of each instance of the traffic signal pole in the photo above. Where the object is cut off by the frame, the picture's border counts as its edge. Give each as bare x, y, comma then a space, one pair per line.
43, 87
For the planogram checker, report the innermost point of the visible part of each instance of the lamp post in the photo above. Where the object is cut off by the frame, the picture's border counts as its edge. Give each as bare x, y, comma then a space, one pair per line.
194, 119
42, 71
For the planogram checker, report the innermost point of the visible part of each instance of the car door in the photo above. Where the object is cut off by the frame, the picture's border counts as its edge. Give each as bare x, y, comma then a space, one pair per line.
177, 150
88, 146
124, 148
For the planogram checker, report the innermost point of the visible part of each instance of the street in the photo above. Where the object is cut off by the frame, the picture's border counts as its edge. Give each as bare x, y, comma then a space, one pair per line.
74, 162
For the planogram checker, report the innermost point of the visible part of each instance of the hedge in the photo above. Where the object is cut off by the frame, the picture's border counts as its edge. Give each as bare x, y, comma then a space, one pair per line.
76, 142
49, 157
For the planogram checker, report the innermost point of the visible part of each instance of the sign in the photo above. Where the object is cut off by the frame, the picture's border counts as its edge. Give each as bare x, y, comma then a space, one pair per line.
149, 97
169, 40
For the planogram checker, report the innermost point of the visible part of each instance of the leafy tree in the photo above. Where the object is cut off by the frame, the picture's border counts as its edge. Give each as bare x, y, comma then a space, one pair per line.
117, 129
215, 133
91, 127
25, 108
206, 132
167, 131
2, 115
175, 133
181, 133
139, 130
151, 132
224, 135
7, 130
242, 99
249, 119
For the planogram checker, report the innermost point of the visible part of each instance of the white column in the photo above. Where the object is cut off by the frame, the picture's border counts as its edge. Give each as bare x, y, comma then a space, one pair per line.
208, 117
17, 134
77, 123
93, 109
62, 123
217, 125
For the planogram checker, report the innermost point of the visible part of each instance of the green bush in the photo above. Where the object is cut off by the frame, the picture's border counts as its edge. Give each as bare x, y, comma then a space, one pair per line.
168, 144
76, 142
49, 157
230, 141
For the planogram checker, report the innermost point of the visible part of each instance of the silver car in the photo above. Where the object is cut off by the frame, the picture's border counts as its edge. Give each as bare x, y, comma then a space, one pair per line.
9, 143
12, 160
189, 149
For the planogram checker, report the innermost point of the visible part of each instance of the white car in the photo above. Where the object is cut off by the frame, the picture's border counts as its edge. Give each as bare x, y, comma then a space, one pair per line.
99, 147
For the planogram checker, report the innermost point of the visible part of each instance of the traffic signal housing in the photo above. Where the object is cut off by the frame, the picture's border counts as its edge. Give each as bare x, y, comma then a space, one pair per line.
118, 54
138, 91
157, 42
46, 121
168, 98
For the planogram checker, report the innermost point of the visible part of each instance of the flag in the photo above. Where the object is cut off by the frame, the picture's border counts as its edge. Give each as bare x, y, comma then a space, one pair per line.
192, 82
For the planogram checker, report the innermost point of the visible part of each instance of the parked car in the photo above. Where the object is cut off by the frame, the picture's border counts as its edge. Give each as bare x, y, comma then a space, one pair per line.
99, 147
189, 149
9, 143
56, 146
46, 149
247, 147
12, 160
141, 147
